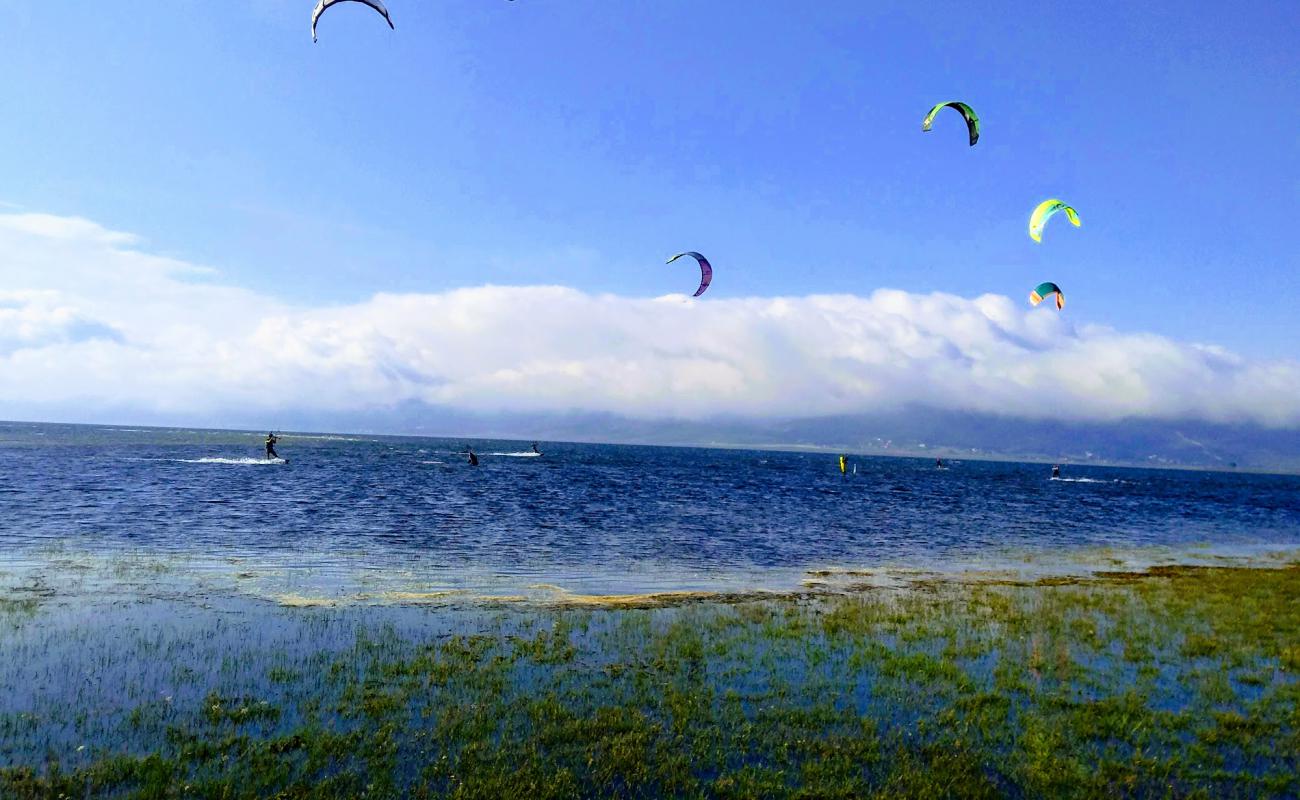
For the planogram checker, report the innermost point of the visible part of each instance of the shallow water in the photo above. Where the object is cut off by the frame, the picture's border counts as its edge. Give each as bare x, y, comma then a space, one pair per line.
226, 690
364, 515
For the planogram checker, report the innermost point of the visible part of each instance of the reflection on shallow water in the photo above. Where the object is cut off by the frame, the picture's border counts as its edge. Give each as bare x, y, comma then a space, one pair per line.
59, 577
228, 689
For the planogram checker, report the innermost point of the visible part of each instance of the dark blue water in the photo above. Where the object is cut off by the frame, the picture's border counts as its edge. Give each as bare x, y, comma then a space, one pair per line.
372, 514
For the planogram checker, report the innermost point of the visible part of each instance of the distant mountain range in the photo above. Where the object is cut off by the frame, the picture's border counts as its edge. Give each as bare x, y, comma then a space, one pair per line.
910, 432
915, 432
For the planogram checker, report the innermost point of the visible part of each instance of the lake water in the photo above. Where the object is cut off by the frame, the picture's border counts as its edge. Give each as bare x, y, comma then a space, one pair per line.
359, 516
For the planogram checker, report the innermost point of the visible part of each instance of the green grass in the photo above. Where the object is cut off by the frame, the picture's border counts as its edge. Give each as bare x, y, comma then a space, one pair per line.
1177, 683
19, 606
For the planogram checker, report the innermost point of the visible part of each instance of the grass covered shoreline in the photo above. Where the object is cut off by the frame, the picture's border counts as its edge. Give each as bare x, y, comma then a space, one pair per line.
1180, 681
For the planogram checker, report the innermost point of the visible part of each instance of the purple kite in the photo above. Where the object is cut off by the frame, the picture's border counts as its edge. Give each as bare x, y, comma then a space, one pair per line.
706, 271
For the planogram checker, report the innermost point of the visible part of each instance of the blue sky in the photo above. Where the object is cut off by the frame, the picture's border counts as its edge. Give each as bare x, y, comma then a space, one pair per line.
580, 143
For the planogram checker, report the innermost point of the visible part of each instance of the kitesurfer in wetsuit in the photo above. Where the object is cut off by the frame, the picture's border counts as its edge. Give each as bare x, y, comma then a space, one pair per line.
938, 463
271, 439
1056, 470
473, 459
535, 450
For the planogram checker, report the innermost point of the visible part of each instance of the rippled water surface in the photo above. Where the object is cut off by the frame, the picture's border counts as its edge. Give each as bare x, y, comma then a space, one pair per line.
367, 514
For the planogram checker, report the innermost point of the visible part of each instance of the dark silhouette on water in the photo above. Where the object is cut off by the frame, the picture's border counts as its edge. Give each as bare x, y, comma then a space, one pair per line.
473, 459
535, 450
1056, 470
271, 439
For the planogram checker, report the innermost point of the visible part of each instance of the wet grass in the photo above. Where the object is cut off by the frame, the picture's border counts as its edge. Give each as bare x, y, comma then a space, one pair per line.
18, 605
1181, 682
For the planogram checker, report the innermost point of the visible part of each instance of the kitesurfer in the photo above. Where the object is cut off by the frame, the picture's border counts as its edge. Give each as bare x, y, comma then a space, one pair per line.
473, 459
938, 463
1056, 470
271, 439
535, 450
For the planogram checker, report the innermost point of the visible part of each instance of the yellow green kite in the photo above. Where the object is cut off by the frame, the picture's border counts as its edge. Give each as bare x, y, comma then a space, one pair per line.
1044, 212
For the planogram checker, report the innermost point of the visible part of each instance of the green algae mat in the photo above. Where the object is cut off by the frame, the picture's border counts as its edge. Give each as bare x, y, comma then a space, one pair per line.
1179, 682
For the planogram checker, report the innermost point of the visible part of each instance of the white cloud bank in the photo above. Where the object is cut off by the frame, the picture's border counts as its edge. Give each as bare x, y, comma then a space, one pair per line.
87, 317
